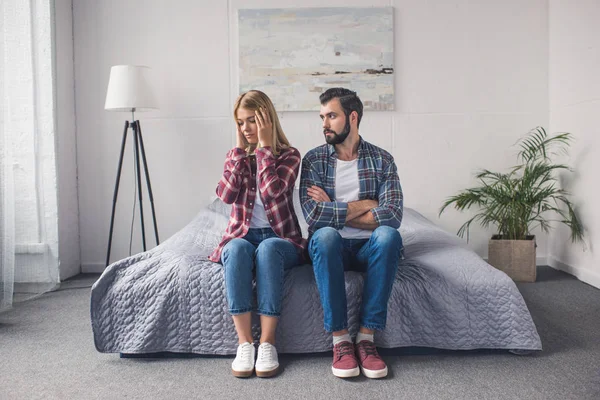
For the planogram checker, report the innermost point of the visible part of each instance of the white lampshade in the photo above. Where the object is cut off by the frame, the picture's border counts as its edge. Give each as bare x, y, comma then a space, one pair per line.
129, 89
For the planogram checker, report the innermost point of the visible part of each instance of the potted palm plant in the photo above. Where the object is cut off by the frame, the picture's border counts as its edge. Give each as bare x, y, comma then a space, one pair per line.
518, 201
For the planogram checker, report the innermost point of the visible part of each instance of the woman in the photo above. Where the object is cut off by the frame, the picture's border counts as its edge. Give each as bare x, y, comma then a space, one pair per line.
263, 235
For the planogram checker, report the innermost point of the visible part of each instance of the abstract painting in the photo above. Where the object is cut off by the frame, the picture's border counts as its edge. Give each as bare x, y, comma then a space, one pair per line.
293, 55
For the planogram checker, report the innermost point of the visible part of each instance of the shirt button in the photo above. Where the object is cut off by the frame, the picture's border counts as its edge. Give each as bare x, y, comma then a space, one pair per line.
250, 203
270, 220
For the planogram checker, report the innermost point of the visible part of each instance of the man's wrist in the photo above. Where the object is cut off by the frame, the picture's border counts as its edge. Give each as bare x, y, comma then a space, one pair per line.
358, 208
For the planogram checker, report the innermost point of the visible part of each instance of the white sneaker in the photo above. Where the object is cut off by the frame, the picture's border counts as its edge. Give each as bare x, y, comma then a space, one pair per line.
243, 365
267, 363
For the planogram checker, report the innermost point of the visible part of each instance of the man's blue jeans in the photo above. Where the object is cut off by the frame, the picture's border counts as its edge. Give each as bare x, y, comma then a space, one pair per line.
266, 254
377, 257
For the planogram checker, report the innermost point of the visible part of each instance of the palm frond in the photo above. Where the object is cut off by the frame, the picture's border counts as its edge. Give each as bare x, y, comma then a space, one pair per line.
520, 200
536, 144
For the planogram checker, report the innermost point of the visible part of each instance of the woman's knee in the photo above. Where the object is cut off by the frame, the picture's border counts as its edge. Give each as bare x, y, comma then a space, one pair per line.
268, 249
275, 252
238, 252
269, 245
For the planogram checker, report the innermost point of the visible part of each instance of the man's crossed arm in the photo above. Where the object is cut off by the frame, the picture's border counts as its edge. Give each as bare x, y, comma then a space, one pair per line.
358, 214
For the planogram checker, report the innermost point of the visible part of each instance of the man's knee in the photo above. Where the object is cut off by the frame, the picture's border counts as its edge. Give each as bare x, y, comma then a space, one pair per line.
324, 239
387, 236
325, 249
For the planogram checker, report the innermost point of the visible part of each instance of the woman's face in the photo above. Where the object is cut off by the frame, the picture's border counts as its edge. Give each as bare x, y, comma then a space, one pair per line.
246, 120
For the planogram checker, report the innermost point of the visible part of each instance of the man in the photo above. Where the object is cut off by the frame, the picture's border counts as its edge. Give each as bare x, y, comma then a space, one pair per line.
352, 201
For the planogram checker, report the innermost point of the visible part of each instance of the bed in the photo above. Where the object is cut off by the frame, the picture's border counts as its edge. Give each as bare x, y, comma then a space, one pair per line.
172, 299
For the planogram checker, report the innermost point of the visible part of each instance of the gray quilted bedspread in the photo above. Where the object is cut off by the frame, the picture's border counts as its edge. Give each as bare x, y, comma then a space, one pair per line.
172, 299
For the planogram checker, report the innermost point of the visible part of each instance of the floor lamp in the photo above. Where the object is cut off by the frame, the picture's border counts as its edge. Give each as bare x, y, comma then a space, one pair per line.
129, 90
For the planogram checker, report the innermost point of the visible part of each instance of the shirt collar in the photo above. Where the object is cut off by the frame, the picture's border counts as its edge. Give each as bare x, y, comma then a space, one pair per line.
361, 146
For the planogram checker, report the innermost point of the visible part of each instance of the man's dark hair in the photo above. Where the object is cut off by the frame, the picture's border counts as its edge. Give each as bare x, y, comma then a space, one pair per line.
348, 99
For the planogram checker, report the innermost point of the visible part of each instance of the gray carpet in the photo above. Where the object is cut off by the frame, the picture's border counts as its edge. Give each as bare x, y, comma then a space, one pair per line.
47, 352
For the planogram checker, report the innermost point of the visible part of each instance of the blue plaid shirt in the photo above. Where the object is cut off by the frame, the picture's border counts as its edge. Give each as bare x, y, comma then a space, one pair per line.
378, 180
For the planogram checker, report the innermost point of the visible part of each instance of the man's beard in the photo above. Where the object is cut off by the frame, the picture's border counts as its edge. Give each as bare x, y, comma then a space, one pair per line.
338, 138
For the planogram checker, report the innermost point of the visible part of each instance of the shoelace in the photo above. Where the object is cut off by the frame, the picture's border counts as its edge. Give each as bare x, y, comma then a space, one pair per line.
345, 348
368, 348
246, 353
265, 353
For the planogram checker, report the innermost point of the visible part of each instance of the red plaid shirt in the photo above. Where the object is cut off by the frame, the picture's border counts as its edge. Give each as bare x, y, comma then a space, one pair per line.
277, 176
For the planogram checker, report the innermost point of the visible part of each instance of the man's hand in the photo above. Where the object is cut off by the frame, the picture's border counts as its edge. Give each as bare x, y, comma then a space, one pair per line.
360, 207
317, 194
364, 221
358, 214
265, 127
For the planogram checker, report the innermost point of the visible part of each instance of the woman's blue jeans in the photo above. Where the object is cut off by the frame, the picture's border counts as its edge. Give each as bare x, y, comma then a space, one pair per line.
377, 257
262, 253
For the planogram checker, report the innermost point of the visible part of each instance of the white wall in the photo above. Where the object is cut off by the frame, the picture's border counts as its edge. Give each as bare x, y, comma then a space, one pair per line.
68, 207
574, 83
471, 77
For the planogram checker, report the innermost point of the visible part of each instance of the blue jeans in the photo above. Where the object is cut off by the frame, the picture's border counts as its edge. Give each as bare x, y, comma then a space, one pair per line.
377, 256
263, 252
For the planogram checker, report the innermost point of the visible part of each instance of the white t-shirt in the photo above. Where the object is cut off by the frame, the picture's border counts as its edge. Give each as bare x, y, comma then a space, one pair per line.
259, 216
347, 188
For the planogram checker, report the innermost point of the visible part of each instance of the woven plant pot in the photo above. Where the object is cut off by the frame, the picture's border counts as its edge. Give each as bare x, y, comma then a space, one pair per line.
516, 258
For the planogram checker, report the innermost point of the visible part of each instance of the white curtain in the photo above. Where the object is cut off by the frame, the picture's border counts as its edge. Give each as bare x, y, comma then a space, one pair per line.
7, 216
28, 180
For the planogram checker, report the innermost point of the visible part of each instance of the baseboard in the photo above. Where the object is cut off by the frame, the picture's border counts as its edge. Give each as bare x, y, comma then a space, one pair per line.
584, 275
93, 268
541, 260
538, 260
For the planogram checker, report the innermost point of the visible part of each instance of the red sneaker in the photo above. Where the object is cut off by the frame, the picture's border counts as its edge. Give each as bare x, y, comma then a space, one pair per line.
371, 364
344, 361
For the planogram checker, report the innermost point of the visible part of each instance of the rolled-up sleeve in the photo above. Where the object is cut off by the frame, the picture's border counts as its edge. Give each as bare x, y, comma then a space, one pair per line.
391, 200
230, 183
277, 176
319, 214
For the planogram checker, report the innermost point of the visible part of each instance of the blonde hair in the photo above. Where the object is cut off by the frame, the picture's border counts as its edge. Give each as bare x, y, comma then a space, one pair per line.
254, 100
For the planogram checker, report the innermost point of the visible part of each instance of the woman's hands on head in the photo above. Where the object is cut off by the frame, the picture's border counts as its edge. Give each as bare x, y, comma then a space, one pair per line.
265, 127
254, 127
240, 140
